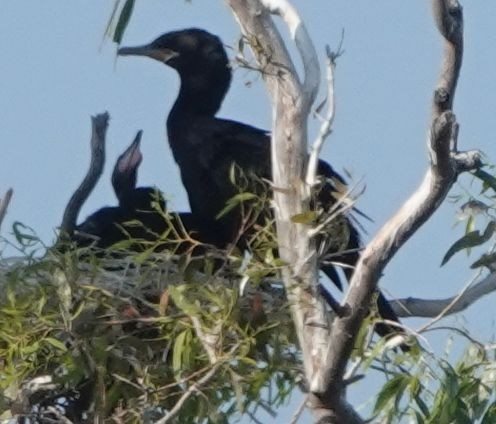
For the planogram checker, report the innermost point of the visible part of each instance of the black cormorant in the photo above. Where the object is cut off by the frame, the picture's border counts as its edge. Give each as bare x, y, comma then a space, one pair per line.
205, 147
144, 206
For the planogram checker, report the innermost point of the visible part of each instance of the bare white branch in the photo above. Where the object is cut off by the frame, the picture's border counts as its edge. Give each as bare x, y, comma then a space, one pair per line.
431, 308
299, 34
327, 121
440, 176
291, 108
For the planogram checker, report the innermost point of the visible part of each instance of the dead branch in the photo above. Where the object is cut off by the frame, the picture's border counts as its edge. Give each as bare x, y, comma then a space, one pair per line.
327, 121
442, 173
99, 124
4, 204
430, 308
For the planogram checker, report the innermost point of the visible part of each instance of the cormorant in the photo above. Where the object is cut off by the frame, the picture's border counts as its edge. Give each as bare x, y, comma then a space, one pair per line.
205, 147
143, 205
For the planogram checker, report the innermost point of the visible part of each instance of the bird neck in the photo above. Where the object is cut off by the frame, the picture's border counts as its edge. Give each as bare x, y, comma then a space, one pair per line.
124, 184
201, 93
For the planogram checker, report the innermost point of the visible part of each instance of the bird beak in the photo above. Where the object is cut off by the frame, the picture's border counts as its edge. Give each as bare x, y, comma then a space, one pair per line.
162, 54
132, 157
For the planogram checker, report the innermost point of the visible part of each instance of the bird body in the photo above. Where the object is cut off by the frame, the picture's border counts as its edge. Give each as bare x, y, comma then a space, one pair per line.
205, 147
140, 214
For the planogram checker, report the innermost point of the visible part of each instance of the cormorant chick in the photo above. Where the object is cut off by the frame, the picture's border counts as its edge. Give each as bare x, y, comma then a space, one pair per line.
143, 205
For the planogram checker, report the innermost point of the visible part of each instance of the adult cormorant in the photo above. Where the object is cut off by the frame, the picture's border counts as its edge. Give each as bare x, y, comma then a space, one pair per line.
205, 147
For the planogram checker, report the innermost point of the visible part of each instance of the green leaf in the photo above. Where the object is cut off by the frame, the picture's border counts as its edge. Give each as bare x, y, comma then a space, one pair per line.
307, 218
472, 239
488, 180
180, 351
470, 227
56, 343
490, 415
179, 298
422, 406
393, 389
124, 17
235, 201
33, 347
24, 235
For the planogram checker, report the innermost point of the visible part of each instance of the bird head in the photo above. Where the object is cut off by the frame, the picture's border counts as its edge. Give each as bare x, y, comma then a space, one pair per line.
188, 50
125, 171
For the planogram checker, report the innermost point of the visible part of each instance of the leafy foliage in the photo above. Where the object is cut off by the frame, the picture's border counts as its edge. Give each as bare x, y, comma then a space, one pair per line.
130, 337
429, 390
135, 344
477, 211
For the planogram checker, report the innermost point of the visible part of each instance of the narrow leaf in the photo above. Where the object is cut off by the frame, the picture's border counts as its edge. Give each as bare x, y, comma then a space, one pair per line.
56, 343
472, 239
490, 415
177, 354
235, 201
304, 218
488, 180
108, 28
392, 389
124, 17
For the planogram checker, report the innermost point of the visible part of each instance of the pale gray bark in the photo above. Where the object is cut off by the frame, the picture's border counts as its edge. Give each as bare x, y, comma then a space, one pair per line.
291, 100
290, 111
444, 167
432, 308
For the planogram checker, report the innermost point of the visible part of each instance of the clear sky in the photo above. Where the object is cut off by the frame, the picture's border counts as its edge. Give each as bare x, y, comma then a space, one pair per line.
56, 72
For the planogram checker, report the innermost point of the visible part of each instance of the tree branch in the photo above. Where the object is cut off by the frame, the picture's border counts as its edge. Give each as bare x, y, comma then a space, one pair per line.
303, 43
440, 176
291, 105
430, 308
297, 414
188, 393
326, 126
4, 204
196, 386
209, 339
99, 124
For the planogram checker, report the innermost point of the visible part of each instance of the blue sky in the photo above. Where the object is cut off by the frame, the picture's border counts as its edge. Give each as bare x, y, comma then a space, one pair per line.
56, 72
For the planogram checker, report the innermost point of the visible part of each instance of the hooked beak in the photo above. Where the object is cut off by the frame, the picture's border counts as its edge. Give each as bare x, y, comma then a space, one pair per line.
132, 157
162, 55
